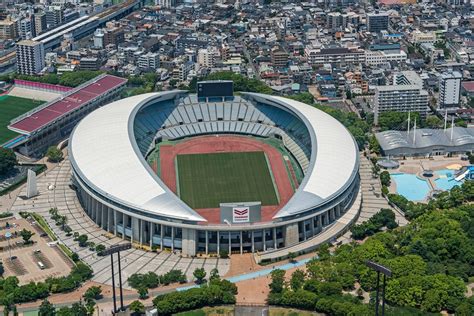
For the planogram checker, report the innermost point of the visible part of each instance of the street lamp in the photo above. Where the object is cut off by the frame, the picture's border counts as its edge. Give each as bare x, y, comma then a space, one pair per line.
8, 235
386, 273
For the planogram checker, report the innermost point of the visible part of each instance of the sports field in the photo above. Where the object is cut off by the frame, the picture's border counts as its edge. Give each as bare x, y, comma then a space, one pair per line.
205, 180
10, 108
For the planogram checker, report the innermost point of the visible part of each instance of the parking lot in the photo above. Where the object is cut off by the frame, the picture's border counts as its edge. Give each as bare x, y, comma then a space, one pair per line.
34, 262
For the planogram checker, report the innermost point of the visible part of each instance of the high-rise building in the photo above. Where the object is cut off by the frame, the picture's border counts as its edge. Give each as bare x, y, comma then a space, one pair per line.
8, 29
377, 21
400, 98
29, 57
40, 23
26, 28
449, 89
54, 16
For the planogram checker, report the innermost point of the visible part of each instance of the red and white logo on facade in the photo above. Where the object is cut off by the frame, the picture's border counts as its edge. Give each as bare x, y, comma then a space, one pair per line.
240, 215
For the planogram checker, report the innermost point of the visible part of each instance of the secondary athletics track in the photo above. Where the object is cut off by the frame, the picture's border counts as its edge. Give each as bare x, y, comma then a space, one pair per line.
226, 143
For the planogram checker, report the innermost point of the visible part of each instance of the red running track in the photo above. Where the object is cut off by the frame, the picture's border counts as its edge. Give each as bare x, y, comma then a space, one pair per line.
219, 143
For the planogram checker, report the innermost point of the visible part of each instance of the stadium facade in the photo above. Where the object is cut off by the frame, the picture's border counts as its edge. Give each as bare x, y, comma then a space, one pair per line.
120, 192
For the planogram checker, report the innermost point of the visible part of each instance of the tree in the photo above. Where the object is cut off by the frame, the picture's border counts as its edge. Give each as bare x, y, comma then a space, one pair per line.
214, 275
137, 308
224, 254
93, 293
385, 178
199, 274
26, 235
278, 281
62, 220
297, 279
99, 248
292, 257
142, 292
7, 160
74, 257
46, 309
54, 154
433, 121
82, 240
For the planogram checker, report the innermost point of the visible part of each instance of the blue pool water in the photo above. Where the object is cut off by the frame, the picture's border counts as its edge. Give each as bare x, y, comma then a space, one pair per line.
411, 187
446, 180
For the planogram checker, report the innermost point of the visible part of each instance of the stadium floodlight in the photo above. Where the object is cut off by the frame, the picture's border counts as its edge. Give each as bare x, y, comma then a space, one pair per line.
110, 251
386, 273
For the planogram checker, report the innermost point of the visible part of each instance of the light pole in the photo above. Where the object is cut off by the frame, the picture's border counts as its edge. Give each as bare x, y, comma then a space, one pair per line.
8, 235
386, 273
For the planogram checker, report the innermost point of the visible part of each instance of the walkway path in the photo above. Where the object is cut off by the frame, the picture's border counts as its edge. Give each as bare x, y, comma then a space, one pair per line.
133, 260
372, 199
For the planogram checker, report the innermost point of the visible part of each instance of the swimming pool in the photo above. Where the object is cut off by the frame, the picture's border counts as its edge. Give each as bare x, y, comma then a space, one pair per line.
411, 187
446, 179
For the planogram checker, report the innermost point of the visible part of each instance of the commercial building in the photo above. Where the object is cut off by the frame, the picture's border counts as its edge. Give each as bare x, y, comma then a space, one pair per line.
29, 57
400, 98
134, 203
89, 63
449, 89
377, 21
54, 16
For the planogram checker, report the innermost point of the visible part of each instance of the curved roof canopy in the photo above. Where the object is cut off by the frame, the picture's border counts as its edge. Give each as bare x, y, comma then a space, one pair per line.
104, 153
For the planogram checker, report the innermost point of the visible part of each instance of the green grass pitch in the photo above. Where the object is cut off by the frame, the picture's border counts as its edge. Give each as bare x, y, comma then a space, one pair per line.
205, 180
10, 108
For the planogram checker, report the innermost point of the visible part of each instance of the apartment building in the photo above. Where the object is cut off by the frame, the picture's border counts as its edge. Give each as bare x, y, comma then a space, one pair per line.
339, 55
29, 57
149, 61
449, 89
400, 98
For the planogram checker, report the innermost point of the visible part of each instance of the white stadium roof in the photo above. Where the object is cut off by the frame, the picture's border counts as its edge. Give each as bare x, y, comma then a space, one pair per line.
104, 152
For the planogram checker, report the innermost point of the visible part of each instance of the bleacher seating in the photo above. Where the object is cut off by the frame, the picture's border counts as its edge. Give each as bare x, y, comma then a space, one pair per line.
238, 116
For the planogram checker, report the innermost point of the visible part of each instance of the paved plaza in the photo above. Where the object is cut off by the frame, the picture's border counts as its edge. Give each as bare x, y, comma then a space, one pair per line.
55, 192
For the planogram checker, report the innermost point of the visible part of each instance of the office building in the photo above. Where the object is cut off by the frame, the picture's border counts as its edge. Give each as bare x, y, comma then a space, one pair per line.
449, 89
29, 57
338, 55
377, 21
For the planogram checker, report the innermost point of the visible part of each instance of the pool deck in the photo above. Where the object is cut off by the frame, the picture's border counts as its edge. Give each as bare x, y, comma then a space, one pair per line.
418, 165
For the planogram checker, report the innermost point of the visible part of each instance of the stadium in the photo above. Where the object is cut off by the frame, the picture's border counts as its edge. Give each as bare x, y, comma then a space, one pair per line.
215, 172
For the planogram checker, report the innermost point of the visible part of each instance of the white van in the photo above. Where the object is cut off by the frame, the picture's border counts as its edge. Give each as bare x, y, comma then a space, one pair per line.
41, 265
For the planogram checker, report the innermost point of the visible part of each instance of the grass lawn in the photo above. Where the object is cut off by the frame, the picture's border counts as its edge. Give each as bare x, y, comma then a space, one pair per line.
205, 180
10, 108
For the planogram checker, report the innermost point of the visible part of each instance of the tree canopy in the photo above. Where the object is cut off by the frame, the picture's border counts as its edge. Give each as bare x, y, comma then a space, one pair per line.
430, 259
7, 160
